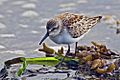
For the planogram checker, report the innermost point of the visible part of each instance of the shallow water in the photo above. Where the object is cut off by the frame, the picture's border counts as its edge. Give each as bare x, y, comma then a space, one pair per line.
22, 24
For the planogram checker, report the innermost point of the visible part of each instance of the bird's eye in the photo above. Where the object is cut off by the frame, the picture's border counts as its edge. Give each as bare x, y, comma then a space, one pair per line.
53, 29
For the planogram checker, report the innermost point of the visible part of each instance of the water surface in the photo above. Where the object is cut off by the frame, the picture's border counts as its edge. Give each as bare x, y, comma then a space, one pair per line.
22, 24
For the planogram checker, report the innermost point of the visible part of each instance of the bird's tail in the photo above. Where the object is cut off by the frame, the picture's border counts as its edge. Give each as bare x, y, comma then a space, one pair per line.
98, 18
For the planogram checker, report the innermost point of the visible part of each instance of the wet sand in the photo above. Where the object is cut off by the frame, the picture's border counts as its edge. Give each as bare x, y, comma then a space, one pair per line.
22, 24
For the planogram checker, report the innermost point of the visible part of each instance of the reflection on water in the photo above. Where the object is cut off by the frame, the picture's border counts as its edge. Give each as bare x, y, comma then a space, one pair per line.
22, 23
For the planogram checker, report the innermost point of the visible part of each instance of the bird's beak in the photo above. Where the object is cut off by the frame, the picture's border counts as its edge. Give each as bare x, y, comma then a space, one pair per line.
46, 35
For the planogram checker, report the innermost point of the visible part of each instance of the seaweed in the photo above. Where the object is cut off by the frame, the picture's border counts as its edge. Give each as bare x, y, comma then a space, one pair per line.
93, 61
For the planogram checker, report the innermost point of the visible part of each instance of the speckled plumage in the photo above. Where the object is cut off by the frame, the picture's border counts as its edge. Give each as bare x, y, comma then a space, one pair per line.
67, 28
77, 24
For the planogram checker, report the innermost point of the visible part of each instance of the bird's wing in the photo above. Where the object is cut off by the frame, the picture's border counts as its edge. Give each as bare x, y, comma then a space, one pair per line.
77, 24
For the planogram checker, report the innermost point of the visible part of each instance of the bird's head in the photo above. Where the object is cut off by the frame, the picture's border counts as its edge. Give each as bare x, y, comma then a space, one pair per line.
53, 28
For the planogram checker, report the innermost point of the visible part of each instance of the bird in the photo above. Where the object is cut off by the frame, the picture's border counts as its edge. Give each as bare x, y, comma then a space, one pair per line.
67, 28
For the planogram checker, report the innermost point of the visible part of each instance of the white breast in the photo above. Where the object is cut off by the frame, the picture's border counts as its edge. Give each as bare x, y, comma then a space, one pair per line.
64, 38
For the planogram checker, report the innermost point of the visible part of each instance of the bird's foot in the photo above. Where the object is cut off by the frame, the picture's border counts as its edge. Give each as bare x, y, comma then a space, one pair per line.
60, 63
62, 60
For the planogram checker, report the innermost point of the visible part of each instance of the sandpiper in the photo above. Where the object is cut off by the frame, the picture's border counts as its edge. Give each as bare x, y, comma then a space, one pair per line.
67, 28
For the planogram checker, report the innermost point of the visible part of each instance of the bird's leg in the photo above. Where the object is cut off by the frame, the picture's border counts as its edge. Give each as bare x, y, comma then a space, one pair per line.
68, 51
76, 50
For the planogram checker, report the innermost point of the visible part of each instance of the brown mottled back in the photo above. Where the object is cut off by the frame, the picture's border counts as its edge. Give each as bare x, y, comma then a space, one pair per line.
76, 24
